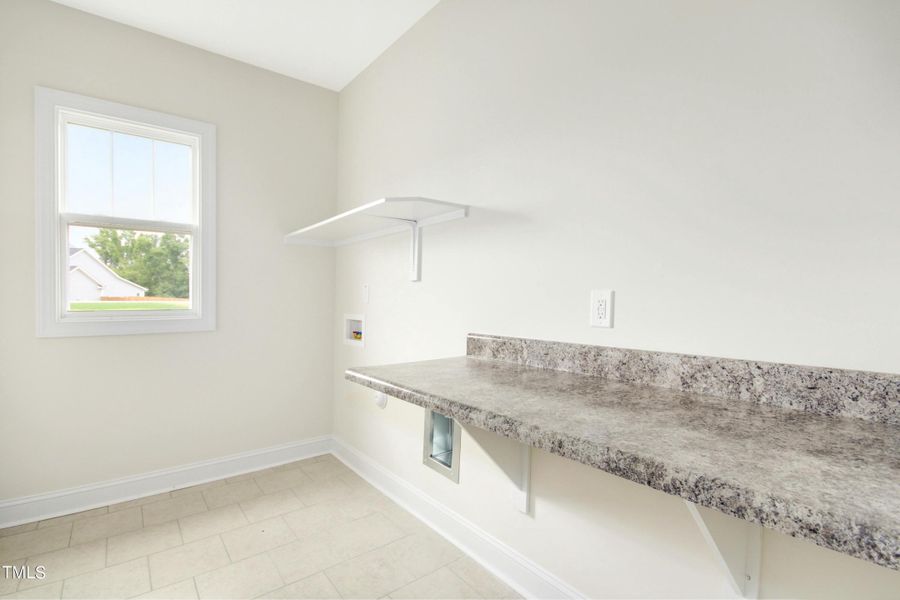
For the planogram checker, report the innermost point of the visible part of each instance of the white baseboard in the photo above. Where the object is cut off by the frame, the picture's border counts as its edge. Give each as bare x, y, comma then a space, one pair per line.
520, 573
53, 504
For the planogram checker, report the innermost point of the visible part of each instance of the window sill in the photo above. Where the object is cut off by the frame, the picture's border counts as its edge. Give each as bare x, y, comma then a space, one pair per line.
95, 325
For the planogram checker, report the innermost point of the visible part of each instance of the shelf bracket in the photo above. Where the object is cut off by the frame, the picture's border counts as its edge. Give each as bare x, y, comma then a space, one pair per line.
513, 459
737, 545
524, 483
415, 246
415, 251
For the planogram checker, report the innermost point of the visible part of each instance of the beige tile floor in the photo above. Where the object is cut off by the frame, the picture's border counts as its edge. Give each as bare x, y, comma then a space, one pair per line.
308, 529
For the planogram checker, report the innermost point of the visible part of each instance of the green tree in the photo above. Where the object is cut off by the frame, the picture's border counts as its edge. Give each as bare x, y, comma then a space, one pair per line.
157, 262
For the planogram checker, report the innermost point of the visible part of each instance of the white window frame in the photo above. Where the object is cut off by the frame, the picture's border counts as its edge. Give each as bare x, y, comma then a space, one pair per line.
53, 109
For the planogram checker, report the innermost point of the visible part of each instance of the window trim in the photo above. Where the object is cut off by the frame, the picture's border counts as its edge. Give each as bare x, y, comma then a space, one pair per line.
53, 320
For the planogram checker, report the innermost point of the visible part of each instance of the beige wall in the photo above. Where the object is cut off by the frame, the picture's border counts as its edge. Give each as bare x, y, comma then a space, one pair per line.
81, 410
729, 168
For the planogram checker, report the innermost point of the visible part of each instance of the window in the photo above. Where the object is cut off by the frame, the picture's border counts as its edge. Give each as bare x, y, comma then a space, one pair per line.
125, 218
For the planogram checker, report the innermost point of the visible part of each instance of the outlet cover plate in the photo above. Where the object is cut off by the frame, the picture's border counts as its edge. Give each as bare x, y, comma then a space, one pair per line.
602, 308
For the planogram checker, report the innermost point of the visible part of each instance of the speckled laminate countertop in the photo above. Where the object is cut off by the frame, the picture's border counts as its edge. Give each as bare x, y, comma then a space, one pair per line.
833, 480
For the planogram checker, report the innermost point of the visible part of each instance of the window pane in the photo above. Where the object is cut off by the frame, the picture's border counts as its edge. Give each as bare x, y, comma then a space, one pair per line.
132, 176
124, 175
122, 269
88, 170
172, 186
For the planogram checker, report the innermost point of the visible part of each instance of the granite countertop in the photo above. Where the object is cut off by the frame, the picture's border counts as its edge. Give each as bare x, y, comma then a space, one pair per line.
833, 480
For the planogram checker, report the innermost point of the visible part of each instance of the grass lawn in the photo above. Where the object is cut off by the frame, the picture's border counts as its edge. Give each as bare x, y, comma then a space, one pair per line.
87, 306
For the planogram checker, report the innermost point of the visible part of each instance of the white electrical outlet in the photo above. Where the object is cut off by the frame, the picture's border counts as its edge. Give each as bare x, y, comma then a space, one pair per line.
602, 308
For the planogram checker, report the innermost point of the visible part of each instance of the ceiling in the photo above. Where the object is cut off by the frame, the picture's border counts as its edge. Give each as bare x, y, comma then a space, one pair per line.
325, 42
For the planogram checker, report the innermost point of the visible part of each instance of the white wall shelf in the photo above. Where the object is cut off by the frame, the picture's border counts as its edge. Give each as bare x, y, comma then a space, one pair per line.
386, 216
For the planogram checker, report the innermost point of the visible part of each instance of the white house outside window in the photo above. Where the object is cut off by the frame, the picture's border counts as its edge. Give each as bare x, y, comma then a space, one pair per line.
125, 218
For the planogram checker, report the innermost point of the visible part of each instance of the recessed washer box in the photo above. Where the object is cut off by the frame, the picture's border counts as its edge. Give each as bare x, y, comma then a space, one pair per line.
354, 332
